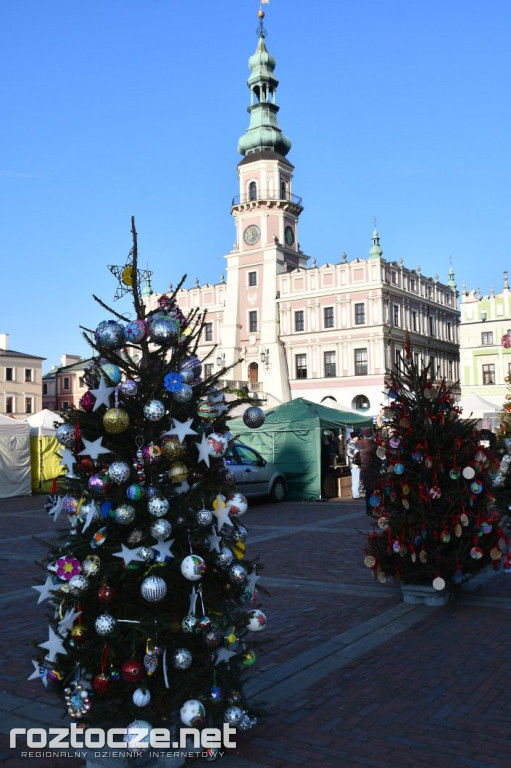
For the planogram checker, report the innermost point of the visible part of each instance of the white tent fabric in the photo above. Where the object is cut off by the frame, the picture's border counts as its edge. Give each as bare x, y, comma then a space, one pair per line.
15, 475
42, 423
476, 407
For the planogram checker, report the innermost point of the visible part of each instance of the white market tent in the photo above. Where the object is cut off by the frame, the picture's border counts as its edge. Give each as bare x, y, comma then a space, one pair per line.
46, 460
476, 407
15, 477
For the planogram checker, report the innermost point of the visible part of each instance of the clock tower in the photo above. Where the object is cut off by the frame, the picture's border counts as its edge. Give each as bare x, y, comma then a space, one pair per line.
266, 216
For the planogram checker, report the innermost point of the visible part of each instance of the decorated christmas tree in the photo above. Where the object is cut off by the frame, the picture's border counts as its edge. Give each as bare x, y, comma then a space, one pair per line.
435, 518
153, 608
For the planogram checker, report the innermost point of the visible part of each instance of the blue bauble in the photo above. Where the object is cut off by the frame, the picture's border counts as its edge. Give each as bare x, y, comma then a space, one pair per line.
109, 334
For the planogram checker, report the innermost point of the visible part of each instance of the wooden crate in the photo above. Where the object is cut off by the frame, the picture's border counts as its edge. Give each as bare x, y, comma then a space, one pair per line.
344, 487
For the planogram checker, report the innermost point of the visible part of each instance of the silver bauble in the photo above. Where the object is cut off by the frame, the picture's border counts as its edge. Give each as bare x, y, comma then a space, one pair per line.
154, 410
109, 334
204, 517
147, 554
181, 658
253, 417
124, 514
134, 537
246, 723
237, 573
119, 472
77, 584
213, 638
239, 534
164, 331
153, 589
128, 388
183, 395
161, 529
90, 509
65, 435
189, 624
105, 624
157, 507
224, 558
233, 715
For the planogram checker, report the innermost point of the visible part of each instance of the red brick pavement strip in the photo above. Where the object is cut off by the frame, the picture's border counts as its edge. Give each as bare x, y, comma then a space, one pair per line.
435, 695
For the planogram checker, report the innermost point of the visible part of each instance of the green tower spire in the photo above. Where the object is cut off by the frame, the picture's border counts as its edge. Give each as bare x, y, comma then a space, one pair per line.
451, 281
263, 132
376, 251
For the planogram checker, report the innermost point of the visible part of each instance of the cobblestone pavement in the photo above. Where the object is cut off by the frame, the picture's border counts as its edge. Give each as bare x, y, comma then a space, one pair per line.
351, 676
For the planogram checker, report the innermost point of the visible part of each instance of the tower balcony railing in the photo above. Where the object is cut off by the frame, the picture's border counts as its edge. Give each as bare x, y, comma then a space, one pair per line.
266, 195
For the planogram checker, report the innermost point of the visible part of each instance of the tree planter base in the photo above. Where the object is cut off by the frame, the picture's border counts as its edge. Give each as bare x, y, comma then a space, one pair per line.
424, 594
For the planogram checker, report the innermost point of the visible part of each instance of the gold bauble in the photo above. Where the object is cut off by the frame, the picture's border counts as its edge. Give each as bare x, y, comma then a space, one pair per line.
178, 472
78, 633
172, 448
116, 420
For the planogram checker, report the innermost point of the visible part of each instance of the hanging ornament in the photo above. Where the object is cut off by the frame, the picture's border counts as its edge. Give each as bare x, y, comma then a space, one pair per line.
77, 584
190, 624
193, 567
128, 388
468, 473
151, 657
255, 620
454, 473
141, 697
105, 624
132, 736
181, 658
207, 409
476, 486
66, 435
99, 538
153, 589
204, 517
192, 713
134, 492
109, 334
190, 368
90, 566
124, 514
151, 453
237, 573
233, 715
161, 530
253, 417
78, 633
132, 670
184, 394
67, 567
119, 472
172, 448
236, 504
248, 658
116, 420
101, 683
98, 484
87, 402
135, 331
216, 444
106, 594
173, 382
158, 507
178, 472
111, 371
164, 331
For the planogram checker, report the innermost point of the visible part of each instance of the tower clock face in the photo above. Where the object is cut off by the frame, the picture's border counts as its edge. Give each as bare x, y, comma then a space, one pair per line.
289, 235
252, 234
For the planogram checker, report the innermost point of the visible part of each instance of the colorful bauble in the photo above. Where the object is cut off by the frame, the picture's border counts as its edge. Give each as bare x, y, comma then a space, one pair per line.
255, 620
132, 670
151, 453
177, 472
67, 567
171, 447
154, 410
213, 638
99, 538
77, 584
98, 484
116, 420
161, 530
101, 682
208, 410
164, 331
153, 589
181, 658
132, 736
124, 514
141, 697
78, 633
190, 368
112, 372
184, 394
217, 444
128, 388
253, 417
236, 504
193, 567
106, 594
248, 658
87, 402
105, 624
119, 472
192, 713
158, 507
65, 435
135, 331
134, 492
109, 334
70, 505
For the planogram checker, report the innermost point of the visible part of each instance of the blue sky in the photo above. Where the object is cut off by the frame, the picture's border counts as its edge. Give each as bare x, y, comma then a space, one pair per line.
398, 110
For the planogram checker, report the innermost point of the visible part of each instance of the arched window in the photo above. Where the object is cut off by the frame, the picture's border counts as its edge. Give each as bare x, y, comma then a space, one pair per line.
252, 191
253, 372
360, 403
283, 190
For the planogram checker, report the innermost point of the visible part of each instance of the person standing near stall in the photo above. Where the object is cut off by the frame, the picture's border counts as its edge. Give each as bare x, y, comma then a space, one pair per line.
353, 457
369, 468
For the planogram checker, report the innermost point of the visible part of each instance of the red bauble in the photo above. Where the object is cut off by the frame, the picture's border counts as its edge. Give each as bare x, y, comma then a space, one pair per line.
132, 670
106, 594
101, 683
86, 464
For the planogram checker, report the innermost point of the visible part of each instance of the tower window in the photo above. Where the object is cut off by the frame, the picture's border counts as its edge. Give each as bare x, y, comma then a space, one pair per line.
252, 278
283, 190
301, 366
299, 321
328, 317
252, 321
252, 191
